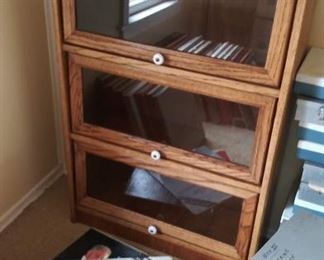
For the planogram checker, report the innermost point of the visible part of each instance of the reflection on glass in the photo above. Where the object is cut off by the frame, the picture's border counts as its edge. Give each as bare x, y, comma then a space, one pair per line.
201, 124
207, 212
232, 30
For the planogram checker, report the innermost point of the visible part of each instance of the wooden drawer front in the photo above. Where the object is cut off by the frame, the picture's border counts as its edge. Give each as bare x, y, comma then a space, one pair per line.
221, 132
215, 218
231, 39
310, 111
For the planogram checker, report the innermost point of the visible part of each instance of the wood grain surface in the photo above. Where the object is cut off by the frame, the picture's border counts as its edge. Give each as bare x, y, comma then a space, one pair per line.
245, 224
106, 63
296, 52
270, 75
267, 88
65, 103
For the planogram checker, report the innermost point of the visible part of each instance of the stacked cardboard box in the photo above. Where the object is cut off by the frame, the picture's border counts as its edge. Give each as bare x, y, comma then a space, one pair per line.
309, 86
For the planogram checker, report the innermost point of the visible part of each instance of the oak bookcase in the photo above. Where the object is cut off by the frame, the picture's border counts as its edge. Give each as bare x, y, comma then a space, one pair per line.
172, 115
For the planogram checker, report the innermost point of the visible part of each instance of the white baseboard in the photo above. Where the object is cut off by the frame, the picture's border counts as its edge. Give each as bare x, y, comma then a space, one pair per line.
31, 196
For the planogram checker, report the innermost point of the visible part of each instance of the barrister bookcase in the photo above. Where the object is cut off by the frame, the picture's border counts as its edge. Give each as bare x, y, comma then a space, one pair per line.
172, 114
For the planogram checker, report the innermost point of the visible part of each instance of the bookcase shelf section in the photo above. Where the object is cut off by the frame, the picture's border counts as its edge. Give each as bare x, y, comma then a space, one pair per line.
216, 133
117, 186
231, 39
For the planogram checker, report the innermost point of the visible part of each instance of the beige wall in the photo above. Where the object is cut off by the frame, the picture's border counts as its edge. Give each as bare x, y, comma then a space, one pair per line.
317, 30
27, 131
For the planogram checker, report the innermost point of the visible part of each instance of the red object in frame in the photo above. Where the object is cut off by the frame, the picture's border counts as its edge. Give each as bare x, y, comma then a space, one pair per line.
98, 252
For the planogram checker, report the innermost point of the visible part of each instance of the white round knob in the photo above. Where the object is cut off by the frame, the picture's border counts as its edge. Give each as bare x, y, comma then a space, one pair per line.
158, 59
155, 155
152, 230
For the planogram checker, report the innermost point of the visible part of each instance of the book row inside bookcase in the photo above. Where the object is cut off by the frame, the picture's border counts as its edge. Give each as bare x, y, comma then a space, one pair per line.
233, 30
198, 123
228, 51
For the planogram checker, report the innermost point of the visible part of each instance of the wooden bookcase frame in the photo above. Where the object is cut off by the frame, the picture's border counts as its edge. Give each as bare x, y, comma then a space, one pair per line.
297, 45
83, 145
270, 75
124, 67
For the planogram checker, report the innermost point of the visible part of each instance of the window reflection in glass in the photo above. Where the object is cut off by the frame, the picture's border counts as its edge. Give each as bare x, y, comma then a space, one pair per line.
233, 30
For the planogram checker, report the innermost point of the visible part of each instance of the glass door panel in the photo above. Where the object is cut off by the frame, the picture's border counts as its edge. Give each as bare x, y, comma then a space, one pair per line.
200, 210
231, 30
217, 129
200, 124
117, 182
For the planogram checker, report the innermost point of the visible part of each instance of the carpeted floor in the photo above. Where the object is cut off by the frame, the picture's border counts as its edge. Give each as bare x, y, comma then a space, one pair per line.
43, 230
